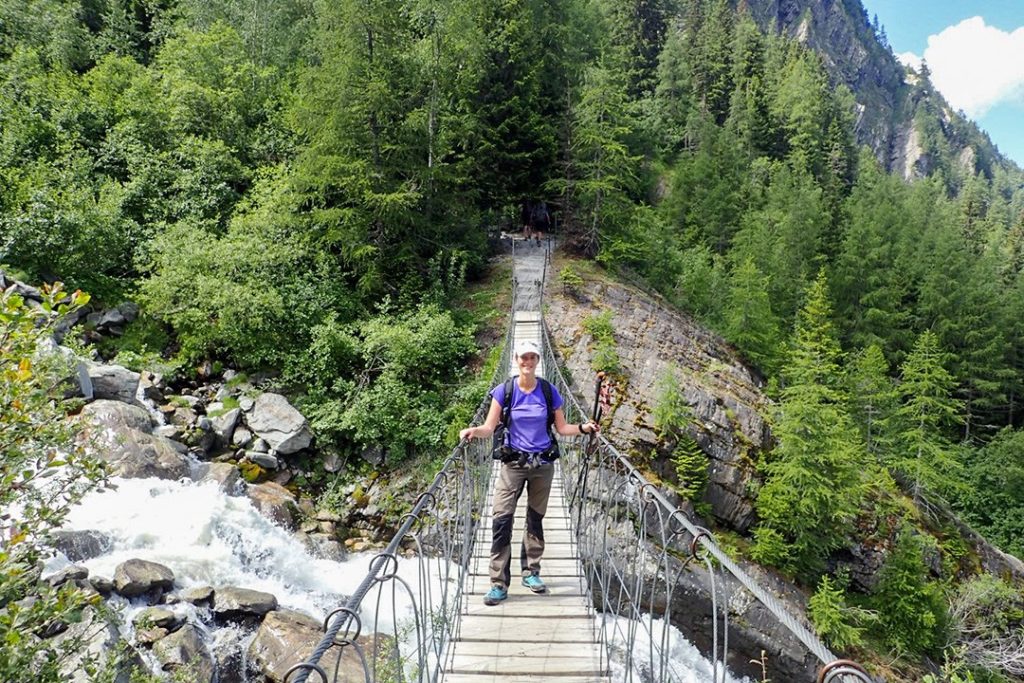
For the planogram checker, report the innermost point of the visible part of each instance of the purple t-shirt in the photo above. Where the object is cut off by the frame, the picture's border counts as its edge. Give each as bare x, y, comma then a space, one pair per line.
528, 431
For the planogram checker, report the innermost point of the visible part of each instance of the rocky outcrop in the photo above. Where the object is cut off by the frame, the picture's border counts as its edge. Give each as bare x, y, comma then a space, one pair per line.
275, 502
225, 475
119, 434
112, 321
155, 623
852, 55
888, 96
117, 415
623, 560
94, 639
113, 382
135, 454
81, 545
654, 339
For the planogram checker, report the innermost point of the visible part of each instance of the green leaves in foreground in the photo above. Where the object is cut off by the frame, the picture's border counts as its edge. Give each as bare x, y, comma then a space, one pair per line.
43, 472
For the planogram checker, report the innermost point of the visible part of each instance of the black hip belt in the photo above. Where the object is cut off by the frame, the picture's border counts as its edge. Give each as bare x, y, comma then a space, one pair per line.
526, 459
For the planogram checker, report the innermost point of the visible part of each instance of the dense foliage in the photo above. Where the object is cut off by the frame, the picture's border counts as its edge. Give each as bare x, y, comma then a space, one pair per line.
301, 187
43, 472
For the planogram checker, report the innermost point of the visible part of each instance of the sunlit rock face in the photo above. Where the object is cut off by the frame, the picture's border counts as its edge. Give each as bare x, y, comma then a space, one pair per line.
887, 101
653, 339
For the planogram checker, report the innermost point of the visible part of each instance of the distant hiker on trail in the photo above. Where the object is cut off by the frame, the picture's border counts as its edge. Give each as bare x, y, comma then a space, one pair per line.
525, 217
540, 219
527, 452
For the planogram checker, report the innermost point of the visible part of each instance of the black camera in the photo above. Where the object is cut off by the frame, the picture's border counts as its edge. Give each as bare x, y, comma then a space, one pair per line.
504, 453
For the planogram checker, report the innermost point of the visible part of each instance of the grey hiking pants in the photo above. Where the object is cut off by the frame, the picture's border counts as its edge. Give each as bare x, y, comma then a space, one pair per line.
507, 490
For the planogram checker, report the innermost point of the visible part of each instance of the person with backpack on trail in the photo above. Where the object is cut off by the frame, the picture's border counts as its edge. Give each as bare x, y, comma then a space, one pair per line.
527, 452
540, 219
526, 217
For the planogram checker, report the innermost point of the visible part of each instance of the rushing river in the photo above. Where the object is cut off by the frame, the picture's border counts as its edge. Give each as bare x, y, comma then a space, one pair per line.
209, 538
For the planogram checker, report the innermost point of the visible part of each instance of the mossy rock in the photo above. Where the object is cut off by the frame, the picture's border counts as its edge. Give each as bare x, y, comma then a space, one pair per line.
251, 472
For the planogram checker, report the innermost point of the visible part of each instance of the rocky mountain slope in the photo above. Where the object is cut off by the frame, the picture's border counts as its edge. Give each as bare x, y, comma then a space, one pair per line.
894, 106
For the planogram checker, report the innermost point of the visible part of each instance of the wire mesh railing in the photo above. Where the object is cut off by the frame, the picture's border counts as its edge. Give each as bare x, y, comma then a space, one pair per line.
636, 548
408, 643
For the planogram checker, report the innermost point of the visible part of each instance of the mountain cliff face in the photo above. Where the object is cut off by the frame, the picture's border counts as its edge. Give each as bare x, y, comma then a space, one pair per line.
896, 108
731, 423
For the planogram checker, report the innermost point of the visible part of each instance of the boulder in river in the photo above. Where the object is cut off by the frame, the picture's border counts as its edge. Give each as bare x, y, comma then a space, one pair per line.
141, 577
234, 603
184, 653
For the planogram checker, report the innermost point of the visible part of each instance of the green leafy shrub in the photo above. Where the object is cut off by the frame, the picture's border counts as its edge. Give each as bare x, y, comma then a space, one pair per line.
570, 280
141, 347
993, 502
606, 357
44, 471
911, 608
383, 382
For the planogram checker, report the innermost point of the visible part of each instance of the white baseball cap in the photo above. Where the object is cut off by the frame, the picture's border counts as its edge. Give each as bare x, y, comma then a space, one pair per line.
527, 346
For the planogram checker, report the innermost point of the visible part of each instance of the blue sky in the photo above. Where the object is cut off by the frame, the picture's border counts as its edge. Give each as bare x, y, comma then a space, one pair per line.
975, 51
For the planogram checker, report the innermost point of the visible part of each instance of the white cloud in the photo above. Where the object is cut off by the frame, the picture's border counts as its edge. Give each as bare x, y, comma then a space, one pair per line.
975, 66
910, 59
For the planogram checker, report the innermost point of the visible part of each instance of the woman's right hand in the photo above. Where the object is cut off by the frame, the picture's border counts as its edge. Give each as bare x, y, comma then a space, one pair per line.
467, 433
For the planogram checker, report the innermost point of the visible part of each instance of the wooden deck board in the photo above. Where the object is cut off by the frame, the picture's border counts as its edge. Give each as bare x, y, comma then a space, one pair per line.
541, 629
520, 678
516, 664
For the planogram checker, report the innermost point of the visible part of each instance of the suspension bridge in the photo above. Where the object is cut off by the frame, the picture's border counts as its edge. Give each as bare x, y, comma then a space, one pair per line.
616, 551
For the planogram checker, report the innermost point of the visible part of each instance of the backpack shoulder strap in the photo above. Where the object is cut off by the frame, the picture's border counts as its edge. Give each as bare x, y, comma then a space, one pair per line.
506, 404
549, 400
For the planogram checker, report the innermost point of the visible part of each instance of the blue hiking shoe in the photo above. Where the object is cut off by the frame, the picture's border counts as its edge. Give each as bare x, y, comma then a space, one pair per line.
495, 595
533, 582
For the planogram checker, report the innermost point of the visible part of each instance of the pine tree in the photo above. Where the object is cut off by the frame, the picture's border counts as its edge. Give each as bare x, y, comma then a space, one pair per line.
781, 235
510, 144
637, 31
872, 400
750, 323
708, 187
801, 104
601, 171
966, 318
870, 278
671, 104
359, 171
815, 475
749, 116
710, 37
923, 456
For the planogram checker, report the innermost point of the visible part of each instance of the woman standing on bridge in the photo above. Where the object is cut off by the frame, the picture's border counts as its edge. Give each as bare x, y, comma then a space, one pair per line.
527, 456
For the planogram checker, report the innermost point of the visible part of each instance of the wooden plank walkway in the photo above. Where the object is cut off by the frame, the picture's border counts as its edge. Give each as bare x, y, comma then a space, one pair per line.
528, 638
